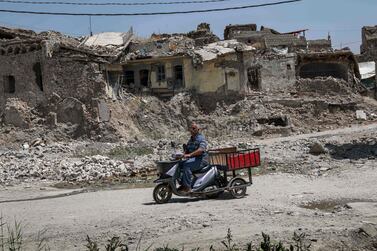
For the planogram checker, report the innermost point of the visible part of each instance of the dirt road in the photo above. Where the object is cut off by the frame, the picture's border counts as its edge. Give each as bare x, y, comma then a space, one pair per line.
327, 207
273, 205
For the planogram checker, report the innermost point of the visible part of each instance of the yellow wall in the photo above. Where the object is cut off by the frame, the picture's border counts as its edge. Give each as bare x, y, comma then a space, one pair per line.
211, 77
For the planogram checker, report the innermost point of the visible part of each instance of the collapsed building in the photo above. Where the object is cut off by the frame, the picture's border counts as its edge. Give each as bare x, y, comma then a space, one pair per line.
51, 72
77, 81
368, 47
267, 38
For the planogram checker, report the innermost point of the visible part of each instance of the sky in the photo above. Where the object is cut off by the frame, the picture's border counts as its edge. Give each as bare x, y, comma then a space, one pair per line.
343, 19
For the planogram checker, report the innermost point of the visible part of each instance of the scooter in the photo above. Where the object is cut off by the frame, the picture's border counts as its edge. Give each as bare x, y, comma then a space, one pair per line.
209, 182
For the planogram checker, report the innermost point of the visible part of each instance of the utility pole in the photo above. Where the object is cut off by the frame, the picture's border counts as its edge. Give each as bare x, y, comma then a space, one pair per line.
90, 25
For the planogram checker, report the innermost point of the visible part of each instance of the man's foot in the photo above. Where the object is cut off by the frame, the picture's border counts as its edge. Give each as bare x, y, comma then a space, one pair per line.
184, 190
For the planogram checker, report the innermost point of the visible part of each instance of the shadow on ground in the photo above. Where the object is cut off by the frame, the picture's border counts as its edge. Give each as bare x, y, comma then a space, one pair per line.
353, 151
183, 200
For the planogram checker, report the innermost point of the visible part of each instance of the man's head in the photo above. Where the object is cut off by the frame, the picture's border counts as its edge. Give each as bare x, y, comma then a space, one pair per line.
194, 129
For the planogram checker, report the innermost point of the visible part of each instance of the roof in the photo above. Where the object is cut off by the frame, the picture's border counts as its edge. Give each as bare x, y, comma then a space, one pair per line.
8, 33
109, 39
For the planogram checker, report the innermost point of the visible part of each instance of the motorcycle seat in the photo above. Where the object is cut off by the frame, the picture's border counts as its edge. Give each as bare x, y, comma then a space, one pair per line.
203, 170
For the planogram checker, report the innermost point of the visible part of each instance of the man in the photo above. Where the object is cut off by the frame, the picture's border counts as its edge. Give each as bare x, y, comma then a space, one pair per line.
196, 157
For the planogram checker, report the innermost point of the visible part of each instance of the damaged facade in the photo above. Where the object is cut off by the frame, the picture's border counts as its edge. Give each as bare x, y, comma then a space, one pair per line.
60, 75
50, 72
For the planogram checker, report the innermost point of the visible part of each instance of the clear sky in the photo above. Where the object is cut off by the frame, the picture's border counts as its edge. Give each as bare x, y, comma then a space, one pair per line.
342, 18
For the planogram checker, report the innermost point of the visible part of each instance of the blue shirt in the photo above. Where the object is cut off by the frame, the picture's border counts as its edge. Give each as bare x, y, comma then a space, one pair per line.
196, 142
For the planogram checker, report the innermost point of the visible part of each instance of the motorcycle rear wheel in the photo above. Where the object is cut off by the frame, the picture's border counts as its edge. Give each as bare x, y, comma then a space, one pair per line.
162, 193
238, 193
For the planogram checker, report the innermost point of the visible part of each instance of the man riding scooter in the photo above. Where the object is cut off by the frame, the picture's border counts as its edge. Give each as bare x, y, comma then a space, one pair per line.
196, 157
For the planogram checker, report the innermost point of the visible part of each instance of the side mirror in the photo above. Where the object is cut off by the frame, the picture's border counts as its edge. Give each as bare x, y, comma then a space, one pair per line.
173, 144
184, 148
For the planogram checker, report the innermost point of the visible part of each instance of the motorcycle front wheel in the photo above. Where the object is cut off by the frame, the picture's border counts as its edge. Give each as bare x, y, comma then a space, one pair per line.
162, 193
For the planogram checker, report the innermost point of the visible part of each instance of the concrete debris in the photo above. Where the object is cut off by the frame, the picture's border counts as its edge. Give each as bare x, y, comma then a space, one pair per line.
212, 51
108, 39
361, 115
37, 162
369, 229
325, 86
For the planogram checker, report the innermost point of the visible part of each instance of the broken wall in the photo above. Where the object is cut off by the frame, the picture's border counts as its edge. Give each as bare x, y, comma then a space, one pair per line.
42, 81
275, 72
77, 79
20, 72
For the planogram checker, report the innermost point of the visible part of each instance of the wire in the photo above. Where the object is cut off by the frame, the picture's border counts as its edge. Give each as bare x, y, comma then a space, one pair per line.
147, 13
112, 3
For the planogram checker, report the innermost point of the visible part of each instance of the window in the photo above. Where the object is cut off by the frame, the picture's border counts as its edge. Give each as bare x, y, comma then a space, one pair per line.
38, 75
129, 78
253, 77
161, 73
178, 72
9, 84
144, 77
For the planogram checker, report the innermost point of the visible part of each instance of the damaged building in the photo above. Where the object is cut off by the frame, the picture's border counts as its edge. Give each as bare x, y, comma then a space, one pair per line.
368, 47
77, 81
49, 74
368, 59
267, 38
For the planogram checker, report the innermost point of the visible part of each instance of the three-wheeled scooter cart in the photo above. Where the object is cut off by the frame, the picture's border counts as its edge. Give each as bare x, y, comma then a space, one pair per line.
225, 172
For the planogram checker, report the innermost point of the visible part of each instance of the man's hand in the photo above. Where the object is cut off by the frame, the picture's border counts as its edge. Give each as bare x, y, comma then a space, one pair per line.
187, 156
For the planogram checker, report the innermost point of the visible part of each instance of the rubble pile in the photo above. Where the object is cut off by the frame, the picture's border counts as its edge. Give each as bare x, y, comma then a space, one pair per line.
43, 163
17, 113
258, 115
325, 86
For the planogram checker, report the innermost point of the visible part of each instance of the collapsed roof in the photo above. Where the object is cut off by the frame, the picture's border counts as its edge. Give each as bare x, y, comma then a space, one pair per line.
212, 51
157, 48
109, 39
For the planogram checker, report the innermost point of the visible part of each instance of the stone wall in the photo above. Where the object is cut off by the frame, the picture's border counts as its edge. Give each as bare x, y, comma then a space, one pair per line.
20, 67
